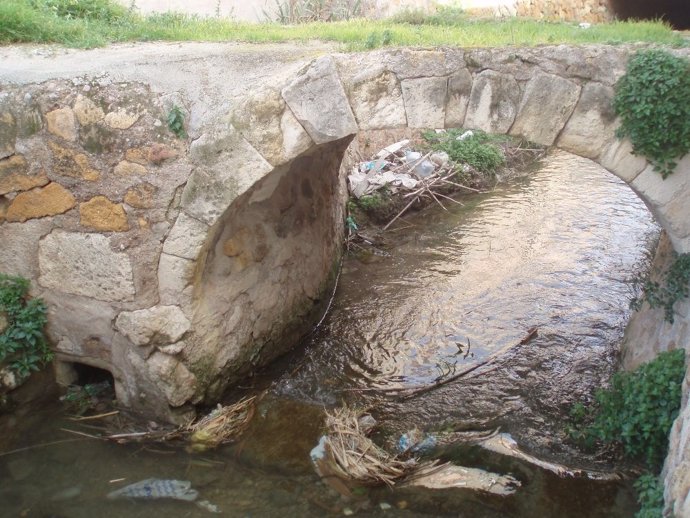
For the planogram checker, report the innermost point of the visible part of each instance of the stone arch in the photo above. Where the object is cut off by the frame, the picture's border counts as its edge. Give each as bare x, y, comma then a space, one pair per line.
299, 128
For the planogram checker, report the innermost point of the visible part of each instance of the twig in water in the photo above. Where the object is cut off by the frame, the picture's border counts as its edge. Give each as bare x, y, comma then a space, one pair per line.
44, 445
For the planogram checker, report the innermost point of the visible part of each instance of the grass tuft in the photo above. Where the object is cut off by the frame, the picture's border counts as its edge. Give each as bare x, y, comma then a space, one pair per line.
93, 23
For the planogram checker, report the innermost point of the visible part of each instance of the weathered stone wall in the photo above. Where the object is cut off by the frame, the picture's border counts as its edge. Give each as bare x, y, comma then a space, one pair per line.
591, 11
647, 335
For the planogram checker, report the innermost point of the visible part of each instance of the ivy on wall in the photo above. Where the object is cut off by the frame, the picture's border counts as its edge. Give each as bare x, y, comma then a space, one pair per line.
653, 102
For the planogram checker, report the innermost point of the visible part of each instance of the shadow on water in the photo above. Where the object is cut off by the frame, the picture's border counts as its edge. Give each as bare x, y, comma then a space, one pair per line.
555, 250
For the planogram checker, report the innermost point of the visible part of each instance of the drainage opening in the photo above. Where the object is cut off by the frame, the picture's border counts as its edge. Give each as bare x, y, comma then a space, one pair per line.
89, 388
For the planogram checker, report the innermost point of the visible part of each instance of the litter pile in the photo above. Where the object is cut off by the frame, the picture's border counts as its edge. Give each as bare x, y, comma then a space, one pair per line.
346, 458
410, 174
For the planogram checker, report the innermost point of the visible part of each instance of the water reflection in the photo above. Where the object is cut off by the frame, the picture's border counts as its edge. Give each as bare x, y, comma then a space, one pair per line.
553, 251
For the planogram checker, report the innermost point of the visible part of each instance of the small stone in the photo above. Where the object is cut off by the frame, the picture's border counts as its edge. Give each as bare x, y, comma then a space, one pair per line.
14, 175
177, 383
126, 168
87, 111
62, 123
143, 224
138, 155
74, 165
102, 214
156, 325
8, 134
121, 119
19, 469
141, 196
50, 200
159, 153
172, 349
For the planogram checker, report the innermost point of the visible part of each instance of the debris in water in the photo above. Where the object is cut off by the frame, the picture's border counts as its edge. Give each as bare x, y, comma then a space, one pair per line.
224, 424
346, 458
504, 444
449, 476
416, 441
154, 488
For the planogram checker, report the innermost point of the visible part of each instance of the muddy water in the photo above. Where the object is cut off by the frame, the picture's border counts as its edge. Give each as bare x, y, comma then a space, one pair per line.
554, 250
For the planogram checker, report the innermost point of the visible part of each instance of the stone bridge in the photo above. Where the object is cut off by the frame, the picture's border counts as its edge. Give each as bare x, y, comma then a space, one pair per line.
180, 265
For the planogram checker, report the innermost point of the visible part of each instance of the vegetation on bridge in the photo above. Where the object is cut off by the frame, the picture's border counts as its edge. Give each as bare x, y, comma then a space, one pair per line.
92, 23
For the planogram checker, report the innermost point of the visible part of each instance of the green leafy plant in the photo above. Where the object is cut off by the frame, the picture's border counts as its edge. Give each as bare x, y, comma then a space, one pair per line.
23, 347
650, 496
176, 122
653, 102
637, 411
305, 11
477, 150
674, 287
103, 10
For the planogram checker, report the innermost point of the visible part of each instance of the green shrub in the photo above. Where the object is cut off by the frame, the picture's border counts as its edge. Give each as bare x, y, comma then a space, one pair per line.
478, 150
674, 287
101, 10
650, 496
637, 411
23, 347
653, 102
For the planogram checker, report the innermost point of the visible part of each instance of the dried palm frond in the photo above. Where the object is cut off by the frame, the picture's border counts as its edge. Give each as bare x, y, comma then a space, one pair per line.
355, 457
224, 424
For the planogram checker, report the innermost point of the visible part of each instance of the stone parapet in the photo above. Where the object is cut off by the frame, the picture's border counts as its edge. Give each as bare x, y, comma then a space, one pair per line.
590, 11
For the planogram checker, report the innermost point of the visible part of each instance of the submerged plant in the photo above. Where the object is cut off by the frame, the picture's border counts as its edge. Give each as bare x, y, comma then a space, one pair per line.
23, 347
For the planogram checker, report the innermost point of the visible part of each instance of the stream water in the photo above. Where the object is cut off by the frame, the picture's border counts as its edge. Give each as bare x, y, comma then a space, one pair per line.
555, 250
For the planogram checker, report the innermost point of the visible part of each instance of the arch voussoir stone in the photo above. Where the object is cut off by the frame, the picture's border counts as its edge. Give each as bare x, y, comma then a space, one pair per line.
593, 115
493, 102
267, 123
318, 101
226, 166
545, 93
373, 91
425, 101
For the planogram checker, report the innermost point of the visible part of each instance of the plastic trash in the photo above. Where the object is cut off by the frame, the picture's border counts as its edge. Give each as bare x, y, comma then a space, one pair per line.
440, 158
424, 168
416, 441
411, 156
373, 166
421, 169
466, 135
392, 149
153, 488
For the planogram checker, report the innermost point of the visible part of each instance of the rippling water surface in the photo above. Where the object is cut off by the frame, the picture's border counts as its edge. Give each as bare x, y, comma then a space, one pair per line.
554, 250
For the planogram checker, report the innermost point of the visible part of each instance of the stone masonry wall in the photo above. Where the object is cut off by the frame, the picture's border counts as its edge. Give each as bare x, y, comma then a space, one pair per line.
591, 11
